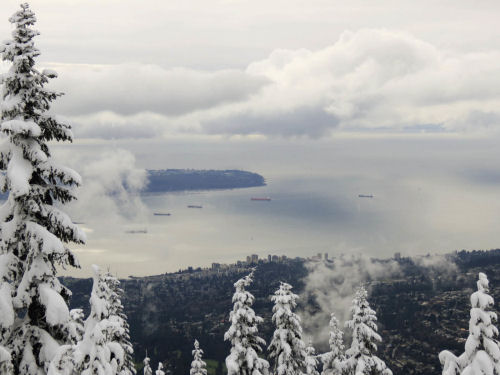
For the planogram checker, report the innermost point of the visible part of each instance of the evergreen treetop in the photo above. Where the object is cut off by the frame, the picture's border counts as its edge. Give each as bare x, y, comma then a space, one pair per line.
198, 366
287, 348
482, 349
332, 360
361, 358
243, 334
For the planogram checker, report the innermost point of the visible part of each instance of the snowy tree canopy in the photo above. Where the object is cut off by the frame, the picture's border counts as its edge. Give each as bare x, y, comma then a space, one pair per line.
120, 329
34, 232
198, 367
332, 360
482, 350
147, 366
243, 334
311, 360
361, 358
287, 348
160, 369
101, 350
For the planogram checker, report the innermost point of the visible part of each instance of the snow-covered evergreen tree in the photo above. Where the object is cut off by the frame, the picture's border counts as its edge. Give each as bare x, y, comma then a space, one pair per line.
34, 315
287, 348
160, 369
147, 366
311, 360
482, 349
198, 366
361, 358
97, 352
243, 334
120, 329
333, 360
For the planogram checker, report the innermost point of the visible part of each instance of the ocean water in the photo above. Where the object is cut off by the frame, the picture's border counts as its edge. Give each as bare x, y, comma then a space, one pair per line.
429, 196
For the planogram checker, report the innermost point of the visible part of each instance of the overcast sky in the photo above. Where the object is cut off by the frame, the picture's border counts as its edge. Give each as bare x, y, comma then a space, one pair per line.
213, 84
148, 69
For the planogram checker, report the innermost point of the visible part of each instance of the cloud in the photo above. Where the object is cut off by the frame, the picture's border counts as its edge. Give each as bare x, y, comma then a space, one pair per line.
369, 80
332, 287
109, 193
128, 89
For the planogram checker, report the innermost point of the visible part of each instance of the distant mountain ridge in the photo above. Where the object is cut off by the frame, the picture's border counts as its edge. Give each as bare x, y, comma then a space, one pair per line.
163, 180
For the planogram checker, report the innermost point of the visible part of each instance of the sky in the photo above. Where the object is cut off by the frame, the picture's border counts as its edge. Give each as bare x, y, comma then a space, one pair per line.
386, 88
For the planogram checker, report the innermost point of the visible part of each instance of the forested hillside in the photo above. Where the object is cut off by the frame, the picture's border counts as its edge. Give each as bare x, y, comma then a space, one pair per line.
420, 312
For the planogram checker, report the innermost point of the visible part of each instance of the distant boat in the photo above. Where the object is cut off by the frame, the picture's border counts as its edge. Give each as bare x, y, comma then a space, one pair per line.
161, 214
365, 196
267, 199
194, 206
139, 231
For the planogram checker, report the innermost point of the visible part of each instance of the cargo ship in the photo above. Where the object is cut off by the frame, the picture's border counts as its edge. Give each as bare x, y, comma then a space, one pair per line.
267, 199
365, 196
194, 206
161, 214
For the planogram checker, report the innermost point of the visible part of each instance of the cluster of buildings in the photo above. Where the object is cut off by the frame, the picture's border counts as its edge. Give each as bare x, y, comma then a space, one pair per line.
254, 259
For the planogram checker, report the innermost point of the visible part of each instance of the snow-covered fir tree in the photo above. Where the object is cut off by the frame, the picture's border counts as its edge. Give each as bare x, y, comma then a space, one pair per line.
34, 314
120, 332
198, 366
333, 360
482, 349
360, 357
243, 334
147, 366
160, 369
311, 360
98, 352
287, 348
